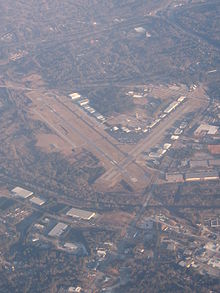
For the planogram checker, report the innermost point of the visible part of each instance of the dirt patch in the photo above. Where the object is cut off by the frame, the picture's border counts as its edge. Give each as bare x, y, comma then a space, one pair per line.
118, 219
53, 143
33, 80
4, 191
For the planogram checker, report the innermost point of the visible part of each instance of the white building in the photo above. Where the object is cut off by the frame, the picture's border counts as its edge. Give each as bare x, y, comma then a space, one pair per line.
21, 192
75, 96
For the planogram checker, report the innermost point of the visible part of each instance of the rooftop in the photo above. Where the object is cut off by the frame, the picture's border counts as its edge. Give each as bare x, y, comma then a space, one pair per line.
75, 96
70, 246
201, 176
209, 129
201, 163
19, 191
58, 230
37, 200
76, 213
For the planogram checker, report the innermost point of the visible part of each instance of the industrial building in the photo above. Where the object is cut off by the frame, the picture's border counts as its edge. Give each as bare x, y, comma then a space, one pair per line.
213, 175
206, 129
201, 163
76, 213
21, 192
38, 201
70, 246
58, 230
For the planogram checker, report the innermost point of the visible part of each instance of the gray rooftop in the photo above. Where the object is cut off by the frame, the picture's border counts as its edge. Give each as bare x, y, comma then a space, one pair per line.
58, 230
202, 175
76, 213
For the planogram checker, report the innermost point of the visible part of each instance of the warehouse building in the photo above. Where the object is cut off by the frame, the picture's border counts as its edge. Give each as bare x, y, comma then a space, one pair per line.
21, 192
76, 213
36, 200
70, 246
58, 230
206, 129
201, 163
213, 175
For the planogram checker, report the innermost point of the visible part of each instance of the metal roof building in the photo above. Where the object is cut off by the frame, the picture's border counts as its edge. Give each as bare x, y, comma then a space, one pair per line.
58, 230
37, 200
209, 129
200, 163
213, 175
76, 213
21, 192
84, 102
70, 246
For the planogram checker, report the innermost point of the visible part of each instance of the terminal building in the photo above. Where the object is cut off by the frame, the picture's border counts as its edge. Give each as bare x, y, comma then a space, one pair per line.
76, 213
